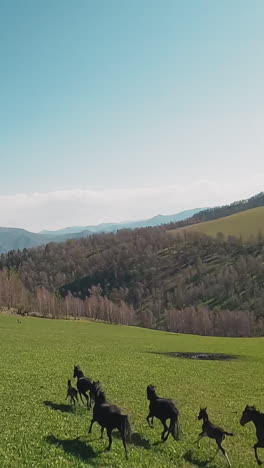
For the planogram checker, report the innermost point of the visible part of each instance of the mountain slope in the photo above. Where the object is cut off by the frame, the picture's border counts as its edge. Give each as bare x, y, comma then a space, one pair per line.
221, 211
246, 224
14, 238
110, 227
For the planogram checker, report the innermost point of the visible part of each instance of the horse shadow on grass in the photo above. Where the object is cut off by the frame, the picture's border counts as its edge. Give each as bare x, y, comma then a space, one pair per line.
62, 408
136, 439
74, 447
189, 457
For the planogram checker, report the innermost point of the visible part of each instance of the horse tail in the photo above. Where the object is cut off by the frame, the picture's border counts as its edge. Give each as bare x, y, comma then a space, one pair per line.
229, 433
125, 427
174, 428
177, 427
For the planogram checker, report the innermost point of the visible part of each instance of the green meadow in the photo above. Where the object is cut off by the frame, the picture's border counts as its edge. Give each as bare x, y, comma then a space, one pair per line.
38, 428
246, 224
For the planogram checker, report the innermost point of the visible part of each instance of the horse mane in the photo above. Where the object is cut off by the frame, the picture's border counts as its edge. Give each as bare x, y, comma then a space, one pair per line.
78, 371
151, 392
253, 409
100, 397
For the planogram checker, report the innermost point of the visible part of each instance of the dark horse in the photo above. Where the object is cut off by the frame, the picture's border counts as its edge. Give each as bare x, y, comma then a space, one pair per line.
72, 393
163, 409
84, 384
213, 432
109, 416
251, 414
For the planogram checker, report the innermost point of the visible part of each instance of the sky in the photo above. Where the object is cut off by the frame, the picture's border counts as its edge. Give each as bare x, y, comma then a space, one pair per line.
113, 110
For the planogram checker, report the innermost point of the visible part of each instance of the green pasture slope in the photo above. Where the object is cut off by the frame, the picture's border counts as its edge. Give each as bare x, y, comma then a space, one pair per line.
37, 358
246, 224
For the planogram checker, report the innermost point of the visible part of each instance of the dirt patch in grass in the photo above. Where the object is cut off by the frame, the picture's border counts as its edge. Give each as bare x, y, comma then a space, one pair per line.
202, 356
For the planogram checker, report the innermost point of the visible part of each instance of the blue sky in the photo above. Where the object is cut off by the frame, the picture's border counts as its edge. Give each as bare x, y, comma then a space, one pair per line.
117, 109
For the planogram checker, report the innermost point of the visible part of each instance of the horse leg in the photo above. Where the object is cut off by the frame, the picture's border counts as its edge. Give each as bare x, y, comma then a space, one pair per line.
91, 398
91, 425
256, 453
148, 418
171, 429
163, 421
109, 433
223, 451
102, 432
81, 397
122, 432
87, 400
201, 435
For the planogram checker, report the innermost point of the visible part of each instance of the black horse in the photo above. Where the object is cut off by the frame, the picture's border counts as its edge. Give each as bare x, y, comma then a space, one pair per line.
72, 393
251, 414
84, 384
163, 409
213, 432
109, 417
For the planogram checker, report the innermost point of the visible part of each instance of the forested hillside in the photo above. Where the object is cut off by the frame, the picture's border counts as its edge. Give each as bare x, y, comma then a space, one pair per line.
186, 282
194, 284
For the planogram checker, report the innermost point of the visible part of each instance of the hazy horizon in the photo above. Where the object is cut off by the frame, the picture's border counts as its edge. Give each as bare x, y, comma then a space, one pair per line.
117, 111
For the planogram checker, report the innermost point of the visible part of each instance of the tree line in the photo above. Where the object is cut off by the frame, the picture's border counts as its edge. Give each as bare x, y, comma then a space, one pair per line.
191, 283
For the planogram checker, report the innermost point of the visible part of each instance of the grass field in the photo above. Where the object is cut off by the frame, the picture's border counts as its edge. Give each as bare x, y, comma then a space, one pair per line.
245, 224
37, 358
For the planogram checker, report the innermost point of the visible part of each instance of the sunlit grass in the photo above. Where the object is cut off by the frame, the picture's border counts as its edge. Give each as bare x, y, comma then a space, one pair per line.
246, 224
37, 358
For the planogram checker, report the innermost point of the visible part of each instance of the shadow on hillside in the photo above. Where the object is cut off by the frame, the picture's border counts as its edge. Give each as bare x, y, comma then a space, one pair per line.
62, 408
136, 439
188, 456
74, 447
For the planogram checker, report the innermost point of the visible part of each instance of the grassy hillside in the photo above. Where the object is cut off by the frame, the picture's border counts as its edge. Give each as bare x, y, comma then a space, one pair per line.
38, 359
246, 224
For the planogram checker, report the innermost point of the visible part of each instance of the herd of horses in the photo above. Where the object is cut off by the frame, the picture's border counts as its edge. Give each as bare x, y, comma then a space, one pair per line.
110, 417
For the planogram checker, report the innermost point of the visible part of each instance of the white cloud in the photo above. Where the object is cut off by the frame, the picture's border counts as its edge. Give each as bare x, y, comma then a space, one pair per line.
57, 209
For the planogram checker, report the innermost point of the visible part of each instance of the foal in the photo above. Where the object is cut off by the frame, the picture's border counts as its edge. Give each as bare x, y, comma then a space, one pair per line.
83, 385
109, 416
251, 414
72, 393
163, 409
213, 432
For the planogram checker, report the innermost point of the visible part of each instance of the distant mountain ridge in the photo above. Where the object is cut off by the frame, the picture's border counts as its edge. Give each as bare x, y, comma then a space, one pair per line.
109, 227
16, 238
